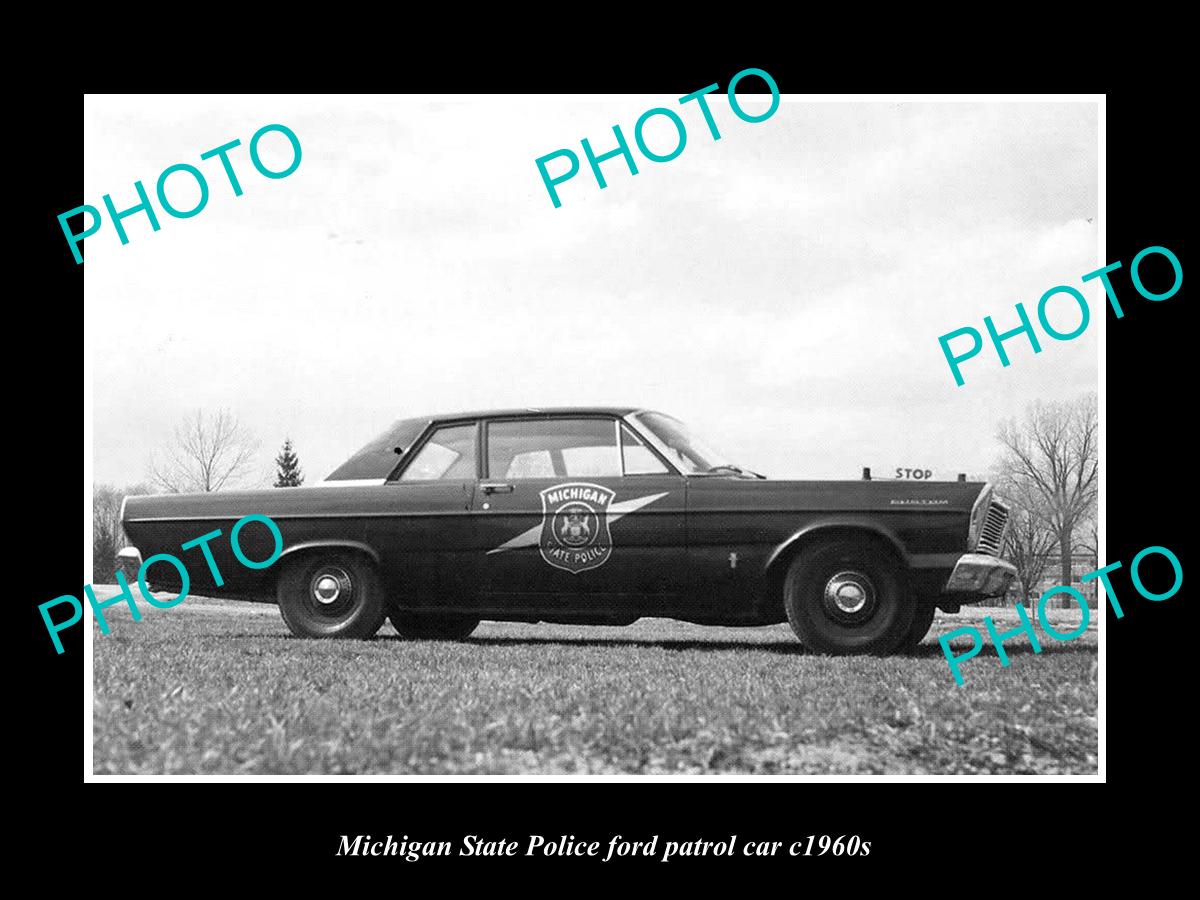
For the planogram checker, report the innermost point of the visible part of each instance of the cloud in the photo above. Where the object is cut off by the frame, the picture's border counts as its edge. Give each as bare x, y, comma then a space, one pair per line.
783, 287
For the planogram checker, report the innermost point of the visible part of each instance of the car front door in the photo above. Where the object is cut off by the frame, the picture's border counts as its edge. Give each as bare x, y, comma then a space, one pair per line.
573, 507
424, 532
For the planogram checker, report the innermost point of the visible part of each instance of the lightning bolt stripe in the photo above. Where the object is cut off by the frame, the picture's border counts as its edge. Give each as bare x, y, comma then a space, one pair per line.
531, 536
527, 538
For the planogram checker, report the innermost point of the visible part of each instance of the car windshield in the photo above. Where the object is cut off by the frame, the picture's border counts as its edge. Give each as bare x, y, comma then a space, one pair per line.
692, 455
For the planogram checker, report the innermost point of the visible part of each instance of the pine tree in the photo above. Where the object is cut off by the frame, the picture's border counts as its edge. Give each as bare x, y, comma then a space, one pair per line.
287, 464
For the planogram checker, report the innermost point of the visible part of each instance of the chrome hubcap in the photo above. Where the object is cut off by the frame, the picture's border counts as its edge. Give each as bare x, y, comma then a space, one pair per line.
850, 597
326, 589
330, 585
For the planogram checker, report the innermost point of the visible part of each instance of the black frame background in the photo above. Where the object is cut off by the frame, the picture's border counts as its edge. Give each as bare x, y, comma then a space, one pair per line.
241, 837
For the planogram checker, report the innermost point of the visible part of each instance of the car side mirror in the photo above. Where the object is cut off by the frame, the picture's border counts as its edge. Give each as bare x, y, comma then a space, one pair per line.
399, 451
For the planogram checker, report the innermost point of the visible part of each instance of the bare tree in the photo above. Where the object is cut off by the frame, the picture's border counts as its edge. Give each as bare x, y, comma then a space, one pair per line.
1051, 455
1089, 539
207, 454
107, 534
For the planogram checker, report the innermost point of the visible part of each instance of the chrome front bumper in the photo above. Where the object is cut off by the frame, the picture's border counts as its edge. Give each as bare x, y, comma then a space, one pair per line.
982, 575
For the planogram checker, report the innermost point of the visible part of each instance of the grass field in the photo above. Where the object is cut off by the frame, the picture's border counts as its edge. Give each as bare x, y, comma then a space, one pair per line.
221, 687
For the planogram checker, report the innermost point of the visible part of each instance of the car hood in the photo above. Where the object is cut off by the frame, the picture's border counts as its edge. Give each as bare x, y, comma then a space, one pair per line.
839, 496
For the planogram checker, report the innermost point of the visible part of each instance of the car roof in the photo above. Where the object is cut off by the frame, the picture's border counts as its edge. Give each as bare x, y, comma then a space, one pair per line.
533, 411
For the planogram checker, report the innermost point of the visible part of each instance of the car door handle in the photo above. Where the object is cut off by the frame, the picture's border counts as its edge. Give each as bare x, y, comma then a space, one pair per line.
494, 488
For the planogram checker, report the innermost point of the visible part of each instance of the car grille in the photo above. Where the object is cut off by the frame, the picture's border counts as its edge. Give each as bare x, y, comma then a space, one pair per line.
991, 535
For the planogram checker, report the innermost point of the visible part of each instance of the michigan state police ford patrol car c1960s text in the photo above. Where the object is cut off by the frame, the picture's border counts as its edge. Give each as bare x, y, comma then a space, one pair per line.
593, 516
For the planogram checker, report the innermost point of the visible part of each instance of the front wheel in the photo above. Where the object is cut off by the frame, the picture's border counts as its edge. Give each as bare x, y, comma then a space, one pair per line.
848, 596
433, 626
331, 594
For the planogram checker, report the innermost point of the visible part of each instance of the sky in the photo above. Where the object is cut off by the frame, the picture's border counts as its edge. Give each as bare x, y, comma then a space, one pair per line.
781, 290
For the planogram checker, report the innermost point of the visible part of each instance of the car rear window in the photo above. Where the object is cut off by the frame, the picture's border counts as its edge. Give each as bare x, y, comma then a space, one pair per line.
378, 458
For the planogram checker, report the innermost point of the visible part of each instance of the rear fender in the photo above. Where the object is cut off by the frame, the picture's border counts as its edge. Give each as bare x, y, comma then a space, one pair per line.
331, 544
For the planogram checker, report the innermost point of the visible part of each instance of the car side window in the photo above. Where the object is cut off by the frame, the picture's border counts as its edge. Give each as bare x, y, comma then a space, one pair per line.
553, 448
448, 455
530, 464
639, 459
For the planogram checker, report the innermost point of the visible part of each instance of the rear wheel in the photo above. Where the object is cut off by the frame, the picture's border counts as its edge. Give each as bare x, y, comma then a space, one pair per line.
848, 596
332, 594
433, 626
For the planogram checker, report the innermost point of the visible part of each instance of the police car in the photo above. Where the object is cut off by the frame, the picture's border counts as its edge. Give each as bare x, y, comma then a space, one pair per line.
594, 516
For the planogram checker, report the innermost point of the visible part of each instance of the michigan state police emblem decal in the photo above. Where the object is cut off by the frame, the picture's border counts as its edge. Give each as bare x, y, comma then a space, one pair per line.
575, 535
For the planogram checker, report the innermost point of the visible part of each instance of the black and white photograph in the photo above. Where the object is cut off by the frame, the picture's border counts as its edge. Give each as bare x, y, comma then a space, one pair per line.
739, 433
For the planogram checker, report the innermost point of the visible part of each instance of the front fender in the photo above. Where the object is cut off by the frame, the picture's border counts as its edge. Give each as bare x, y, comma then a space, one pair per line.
839, 524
